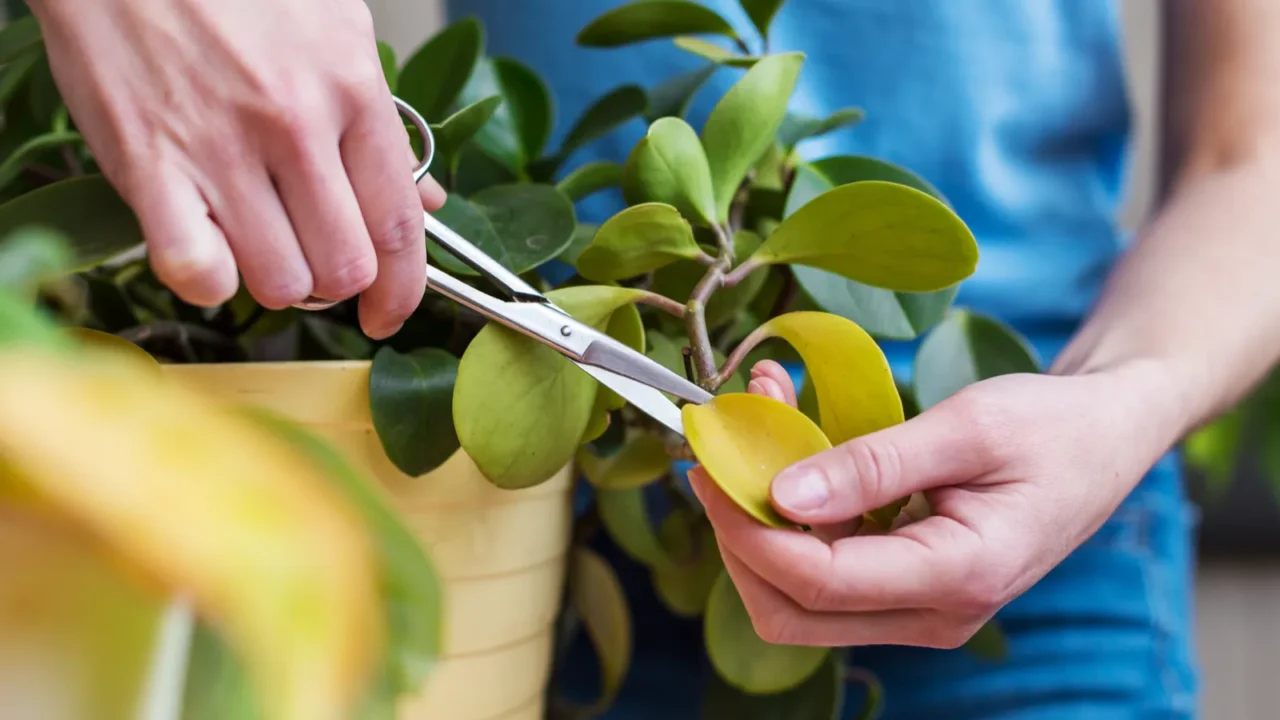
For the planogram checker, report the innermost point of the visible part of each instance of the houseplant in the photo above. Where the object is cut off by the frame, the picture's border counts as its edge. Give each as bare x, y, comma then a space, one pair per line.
728, 239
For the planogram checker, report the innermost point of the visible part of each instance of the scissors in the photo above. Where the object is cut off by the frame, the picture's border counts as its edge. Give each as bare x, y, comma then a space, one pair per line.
636, 378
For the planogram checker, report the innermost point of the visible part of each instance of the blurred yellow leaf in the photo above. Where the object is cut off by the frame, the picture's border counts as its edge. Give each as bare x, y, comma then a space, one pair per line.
198, 500
598, 598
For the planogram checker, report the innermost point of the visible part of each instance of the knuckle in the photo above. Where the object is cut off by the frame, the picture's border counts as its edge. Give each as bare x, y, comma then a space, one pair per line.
349, 278
200, 281
876, 467
403, 233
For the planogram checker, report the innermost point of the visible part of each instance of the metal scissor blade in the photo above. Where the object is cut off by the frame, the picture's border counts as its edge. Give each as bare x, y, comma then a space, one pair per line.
478, 260
646, 399
624, 361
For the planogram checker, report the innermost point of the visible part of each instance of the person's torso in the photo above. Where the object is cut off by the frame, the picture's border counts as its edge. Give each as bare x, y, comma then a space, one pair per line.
1014, 109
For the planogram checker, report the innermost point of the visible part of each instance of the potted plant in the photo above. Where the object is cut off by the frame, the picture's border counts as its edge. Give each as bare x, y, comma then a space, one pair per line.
727, 238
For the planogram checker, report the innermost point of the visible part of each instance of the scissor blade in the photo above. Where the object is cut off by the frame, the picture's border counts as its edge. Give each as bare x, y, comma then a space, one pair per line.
647, 400
631, 364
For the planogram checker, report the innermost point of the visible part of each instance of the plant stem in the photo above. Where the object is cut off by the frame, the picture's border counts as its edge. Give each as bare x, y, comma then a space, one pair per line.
724, 236
734, 361
741, 272
662, 302
696, 320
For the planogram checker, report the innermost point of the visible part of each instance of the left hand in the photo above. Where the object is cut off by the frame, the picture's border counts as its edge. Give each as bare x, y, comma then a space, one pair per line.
1019, 471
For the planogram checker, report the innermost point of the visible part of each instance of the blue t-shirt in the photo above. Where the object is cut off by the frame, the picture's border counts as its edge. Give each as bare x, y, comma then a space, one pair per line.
1016, 110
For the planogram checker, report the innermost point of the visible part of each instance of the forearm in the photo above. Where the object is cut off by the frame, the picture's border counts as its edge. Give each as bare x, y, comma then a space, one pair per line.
1196, 300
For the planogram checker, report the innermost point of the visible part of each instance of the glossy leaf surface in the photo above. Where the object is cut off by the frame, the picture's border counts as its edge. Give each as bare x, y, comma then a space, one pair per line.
648, 19
87, 211
798, 128
668, 166
638, 239
719, 54
519, 225
411, 401
517, 132
590, 178
964, 349
433, 77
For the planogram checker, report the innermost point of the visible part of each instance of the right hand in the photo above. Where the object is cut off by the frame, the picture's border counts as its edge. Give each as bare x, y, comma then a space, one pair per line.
250, 138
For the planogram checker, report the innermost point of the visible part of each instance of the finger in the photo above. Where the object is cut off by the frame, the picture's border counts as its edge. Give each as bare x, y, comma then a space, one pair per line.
779, 375
766, 387
326, 218
261, 237
777, 619
374, 155
187, 251
431, 194
937, 447
923, 565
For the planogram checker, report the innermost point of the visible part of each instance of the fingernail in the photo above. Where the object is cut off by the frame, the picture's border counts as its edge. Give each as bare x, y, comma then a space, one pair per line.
801, 489
755, 387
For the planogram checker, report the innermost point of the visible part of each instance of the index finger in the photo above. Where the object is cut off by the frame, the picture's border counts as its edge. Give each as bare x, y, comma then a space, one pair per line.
919, 566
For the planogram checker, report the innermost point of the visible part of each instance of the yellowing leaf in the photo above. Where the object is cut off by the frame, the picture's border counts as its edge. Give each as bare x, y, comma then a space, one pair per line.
642, 460
743, 441
201, 501
741, 658
116, 345
745, 121
849, 373
598, 598
880, 233
669, 166
637, 240
521, 409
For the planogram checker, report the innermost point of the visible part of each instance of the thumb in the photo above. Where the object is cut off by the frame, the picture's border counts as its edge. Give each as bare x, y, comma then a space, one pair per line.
934, 449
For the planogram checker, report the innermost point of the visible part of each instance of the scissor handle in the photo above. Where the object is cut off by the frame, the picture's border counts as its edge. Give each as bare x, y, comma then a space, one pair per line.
419, 171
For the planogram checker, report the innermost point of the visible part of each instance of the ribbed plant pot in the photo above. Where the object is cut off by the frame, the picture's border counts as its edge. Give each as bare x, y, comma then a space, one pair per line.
500, 554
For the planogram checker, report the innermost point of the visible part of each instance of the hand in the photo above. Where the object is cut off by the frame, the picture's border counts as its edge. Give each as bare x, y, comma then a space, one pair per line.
251, 136
1019, 470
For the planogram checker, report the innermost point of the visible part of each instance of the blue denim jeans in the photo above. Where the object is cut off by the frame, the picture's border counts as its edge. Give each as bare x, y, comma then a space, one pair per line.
1107, 634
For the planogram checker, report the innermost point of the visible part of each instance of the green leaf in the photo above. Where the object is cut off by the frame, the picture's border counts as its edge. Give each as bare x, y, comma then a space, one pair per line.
637, 240
625, 518
797, 128
883, 313
14, 164
684, 582
964, 349
476, 171
598, 598
96, 222
590, 179
642, 460
390, 68
761, 13
989, 643
669, 166
718, 54
19, 37
13, 75
519, 225
458, 129
743, 124
821, 697
878, 233
605, 115
22, 324
741, 658
29, 258
527, 427
673, 96
412, 595
411, 399
434, 76
518, 130
649, 19
43, 96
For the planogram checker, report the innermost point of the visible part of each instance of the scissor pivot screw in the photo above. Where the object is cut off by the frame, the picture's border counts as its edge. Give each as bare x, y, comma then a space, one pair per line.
566, 331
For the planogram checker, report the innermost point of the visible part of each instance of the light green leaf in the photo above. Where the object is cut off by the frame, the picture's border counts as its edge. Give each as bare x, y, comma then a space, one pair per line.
821, 697
390, 68
741, 658
673, 96
610, 112
411, 593
964, 349
648, 19
96, 222
625, 517
28, 258
745, 121
989, 643
524, 429
883, 313
669, 166
684, 582
590, 179
458, 129
519, 225
798, 128
19, 37
598, 598
434, 76
411, 400
637, 240
879, 233
21, 324
761, 13
718, 54
642, 460
517, 132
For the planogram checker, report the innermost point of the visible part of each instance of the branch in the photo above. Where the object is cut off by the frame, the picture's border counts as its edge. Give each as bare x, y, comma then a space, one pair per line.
734, 361
741, 272
696, 320
662, 302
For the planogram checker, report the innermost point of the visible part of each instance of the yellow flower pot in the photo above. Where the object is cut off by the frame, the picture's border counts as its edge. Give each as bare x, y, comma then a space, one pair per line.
500, 554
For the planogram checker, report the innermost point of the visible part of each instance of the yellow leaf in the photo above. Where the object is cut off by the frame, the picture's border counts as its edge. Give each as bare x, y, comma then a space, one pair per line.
743, 441
598, 597
199, 500
106, 342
